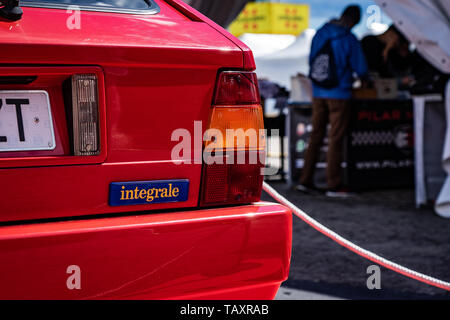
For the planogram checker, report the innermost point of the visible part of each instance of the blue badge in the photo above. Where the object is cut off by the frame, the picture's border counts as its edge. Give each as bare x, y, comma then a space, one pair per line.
148, 192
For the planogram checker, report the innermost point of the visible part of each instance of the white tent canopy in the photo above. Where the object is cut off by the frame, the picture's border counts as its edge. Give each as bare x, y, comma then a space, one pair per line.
279, 66
426, 23
263, 44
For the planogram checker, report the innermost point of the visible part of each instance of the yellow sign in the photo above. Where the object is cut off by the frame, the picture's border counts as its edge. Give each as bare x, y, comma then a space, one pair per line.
268, 17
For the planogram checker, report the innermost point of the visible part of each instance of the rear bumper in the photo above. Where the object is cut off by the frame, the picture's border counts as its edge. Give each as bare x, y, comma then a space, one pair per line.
225, 253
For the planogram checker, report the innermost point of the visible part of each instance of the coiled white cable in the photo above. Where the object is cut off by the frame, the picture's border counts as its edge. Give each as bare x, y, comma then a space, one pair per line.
353, 247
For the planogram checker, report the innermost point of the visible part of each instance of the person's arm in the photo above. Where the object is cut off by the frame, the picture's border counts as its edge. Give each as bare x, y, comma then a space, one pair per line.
358, 60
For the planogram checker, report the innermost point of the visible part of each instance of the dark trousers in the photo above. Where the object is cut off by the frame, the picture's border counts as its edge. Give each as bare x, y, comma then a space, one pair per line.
324, 111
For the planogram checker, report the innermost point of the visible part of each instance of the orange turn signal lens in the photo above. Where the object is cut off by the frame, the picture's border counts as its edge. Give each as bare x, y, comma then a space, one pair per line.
236, 128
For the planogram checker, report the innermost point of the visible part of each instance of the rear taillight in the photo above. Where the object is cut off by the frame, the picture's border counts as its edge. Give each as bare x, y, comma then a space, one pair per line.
234, 147
237, 88
85, 115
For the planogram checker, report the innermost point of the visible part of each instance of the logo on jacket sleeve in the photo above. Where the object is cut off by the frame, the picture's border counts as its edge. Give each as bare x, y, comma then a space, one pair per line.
148, 192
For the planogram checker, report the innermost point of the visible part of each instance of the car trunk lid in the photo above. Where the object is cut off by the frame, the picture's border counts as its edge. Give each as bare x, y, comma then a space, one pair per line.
155, 74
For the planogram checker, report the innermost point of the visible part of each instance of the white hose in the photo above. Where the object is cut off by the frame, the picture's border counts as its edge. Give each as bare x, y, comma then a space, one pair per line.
353, 247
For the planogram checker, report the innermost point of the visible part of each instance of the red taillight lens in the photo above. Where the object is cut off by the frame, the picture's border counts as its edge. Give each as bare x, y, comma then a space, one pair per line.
235, 174
237, 88
232, 183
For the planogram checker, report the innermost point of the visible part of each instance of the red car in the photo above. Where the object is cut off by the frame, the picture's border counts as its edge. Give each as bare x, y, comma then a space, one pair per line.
94, 99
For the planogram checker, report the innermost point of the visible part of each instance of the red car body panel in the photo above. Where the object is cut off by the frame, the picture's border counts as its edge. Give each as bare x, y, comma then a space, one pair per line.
221, 253
159, 73
156, 73
248, 60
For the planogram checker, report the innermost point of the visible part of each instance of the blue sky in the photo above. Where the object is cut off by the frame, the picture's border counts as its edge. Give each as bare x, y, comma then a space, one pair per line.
322, 10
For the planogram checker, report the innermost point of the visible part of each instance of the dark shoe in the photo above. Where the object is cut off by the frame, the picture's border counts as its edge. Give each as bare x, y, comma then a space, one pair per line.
339, 193
306, 188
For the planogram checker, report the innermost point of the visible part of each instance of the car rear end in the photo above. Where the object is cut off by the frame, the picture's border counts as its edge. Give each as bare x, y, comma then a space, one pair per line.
114, 183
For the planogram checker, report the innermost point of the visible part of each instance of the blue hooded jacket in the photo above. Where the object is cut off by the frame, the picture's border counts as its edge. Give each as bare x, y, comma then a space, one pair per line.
349, 58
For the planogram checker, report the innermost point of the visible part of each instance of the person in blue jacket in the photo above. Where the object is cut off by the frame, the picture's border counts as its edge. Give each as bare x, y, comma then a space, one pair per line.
332, 104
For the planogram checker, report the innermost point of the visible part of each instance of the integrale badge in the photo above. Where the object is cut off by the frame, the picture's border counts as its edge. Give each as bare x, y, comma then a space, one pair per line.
148, 192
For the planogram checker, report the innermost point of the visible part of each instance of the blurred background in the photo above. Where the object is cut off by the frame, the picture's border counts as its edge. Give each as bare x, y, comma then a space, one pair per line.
396, 155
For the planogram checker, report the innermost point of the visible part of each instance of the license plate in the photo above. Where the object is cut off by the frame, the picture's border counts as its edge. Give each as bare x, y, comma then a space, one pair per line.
25, 121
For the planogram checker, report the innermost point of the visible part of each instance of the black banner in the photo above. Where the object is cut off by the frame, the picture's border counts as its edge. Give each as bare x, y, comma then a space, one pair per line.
173, 310
380, 144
